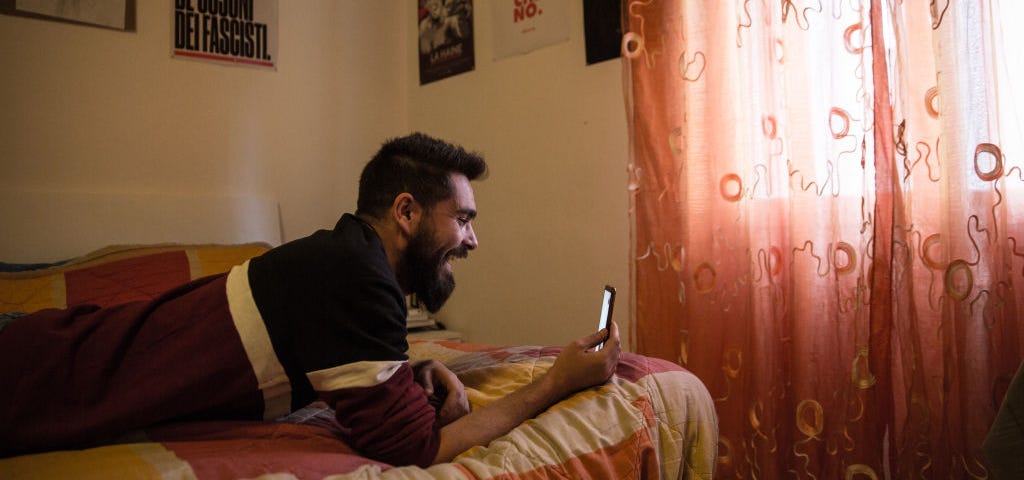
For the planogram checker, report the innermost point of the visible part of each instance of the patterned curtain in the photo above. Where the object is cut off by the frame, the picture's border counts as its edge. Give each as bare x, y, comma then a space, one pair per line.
828, 211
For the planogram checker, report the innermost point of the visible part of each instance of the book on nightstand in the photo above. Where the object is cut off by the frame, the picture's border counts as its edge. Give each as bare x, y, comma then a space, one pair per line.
418, 318
422, 326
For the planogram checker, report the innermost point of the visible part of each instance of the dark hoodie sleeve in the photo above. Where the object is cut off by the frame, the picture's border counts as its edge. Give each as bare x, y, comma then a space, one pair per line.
383, 412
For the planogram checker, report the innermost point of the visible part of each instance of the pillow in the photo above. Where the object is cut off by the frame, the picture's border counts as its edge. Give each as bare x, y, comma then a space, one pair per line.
117, 274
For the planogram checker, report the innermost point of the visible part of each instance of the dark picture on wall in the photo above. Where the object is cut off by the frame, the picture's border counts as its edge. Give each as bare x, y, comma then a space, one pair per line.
445, 38
602, 26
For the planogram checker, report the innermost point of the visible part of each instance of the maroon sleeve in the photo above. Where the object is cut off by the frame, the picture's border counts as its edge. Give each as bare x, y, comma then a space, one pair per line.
391, 421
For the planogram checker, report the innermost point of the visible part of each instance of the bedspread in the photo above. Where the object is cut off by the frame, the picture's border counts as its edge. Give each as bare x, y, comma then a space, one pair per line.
653, 419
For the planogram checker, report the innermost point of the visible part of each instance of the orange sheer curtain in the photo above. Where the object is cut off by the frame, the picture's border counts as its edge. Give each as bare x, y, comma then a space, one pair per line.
828, 210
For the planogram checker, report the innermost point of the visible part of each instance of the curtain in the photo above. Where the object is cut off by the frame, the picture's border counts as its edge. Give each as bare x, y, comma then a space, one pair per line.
827, 203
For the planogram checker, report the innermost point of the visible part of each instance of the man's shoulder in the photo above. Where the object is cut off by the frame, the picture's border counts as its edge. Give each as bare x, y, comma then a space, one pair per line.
346, 254
349, 238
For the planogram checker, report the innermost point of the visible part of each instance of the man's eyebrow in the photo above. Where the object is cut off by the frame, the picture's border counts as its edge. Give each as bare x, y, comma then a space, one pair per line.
468, 212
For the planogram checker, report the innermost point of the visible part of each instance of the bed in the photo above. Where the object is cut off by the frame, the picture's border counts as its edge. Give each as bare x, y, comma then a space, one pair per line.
653, 419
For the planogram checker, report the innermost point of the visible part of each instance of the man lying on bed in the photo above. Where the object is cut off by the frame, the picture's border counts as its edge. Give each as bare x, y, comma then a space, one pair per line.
320, 317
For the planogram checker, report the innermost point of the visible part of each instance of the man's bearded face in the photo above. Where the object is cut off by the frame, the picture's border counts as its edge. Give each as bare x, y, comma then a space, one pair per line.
429, 264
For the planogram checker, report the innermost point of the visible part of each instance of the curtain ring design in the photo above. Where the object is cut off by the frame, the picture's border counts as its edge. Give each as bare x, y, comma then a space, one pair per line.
812, 408
860, 373
851, 258
931, 102
997, 154
951, 287
723, 186
842, 115
926, 248
675, 140
733, 363
848, 36
775, 260
768, 126
709, 285
676, 261
860, 469
724, 445
632, 45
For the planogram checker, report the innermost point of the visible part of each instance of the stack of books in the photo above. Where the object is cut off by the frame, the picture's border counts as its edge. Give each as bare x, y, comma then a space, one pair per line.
418, 318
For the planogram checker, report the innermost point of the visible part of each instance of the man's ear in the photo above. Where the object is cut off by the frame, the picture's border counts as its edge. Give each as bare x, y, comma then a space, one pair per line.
406, 212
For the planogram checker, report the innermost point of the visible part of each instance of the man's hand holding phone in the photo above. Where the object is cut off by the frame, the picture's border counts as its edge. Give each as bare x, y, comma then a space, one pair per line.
581, 366
590, 360
577, 367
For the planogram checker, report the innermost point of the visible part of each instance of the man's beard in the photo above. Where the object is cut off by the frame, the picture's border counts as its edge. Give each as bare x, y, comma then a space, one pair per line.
431, 282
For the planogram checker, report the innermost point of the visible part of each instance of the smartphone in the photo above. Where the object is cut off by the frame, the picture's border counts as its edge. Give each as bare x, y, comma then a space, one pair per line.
607, 302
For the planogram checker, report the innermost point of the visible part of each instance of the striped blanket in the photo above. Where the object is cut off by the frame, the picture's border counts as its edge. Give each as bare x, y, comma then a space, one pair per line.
653, 419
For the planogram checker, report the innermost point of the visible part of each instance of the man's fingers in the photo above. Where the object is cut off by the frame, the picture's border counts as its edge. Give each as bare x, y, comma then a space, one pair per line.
456, 405
610, 335
426, 380
592, 340
613, 332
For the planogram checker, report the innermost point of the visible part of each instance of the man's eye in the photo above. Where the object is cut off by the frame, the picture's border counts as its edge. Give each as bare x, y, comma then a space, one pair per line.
462, 220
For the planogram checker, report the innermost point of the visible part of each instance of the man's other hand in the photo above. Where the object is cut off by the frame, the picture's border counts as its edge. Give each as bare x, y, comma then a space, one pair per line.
444, 391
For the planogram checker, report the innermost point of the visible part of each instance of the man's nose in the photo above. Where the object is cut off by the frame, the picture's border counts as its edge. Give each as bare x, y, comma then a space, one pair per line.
470, 240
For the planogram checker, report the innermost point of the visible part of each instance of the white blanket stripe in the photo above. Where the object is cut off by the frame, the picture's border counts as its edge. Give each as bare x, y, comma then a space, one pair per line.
353, 375
270, 374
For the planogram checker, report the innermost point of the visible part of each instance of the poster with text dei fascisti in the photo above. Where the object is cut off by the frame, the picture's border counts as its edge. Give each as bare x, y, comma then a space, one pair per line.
233, 32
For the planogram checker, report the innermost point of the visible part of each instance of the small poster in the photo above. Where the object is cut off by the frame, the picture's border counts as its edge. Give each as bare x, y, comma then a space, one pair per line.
234, 32
445, 38
521, 26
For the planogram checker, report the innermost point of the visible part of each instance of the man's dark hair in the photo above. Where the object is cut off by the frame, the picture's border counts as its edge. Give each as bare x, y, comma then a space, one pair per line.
417, 164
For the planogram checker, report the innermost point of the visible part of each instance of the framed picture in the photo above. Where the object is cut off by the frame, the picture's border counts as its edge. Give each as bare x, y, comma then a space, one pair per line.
113, 14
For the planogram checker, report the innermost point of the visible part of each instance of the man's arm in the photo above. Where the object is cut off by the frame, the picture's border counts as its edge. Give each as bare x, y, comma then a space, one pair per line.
576, 368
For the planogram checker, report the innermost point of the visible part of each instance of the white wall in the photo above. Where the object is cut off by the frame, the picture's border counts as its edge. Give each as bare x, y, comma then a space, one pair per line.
553, 225
94, 110
91, 110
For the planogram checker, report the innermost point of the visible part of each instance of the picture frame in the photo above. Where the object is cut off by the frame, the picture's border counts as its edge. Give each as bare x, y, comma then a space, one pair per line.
111, 14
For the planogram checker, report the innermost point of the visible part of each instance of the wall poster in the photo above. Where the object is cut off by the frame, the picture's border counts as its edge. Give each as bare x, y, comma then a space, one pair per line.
234, 32
521, 26
445, 38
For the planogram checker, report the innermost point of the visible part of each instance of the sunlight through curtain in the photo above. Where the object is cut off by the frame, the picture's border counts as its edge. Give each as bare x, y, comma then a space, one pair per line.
828, 211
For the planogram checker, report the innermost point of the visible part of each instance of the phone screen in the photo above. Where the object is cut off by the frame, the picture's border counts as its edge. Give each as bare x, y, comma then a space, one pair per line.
607, 302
